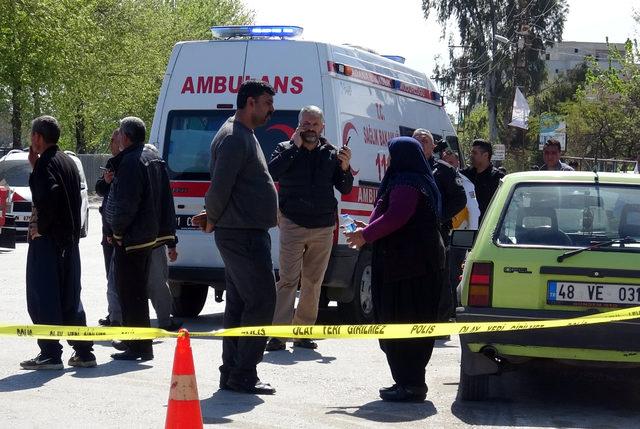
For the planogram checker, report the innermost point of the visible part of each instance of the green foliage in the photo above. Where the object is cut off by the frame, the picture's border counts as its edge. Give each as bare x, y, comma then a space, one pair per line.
91, 62
484, 70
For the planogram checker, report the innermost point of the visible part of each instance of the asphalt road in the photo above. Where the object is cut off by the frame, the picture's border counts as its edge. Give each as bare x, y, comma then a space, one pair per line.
335, 386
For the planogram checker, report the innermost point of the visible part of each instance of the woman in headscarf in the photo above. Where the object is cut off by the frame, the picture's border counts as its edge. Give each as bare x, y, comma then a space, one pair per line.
407, 263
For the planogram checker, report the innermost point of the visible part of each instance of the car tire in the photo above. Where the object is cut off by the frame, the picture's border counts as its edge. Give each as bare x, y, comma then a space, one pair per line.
360, 309
85, 227
473, 387
188, 298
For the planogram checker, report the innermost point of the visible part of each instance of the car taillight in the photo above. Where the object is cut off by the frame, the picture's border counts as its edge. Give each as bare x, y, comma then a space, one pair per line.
480, 284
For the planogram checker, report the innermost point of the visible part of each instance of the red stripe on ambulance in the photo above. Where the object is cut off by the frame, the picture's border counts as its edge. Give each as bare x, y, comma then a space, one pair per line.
189, 189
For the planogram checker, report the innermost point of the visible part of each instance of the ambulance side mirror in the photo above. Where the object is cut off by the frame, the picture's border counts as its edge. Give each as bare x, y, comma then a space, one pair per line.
463, 238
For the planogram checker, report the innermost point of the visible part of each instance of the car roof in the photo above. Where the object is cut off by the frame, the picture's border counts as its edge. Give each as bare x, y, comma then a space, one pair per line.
570, 177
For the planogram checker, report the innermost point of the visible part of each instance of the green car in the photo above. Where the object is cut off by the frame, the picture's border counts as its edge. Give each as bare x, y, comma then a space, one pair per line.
552, 245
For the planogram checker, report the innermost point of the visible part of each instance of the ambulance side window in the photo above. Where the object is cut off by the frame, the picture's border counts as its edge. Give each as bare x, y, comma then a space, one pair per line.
189, 134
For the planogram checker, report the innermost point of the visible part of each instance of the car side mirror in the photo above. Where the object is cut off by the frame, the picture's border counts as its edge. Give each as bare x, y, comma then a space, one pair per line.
463, 238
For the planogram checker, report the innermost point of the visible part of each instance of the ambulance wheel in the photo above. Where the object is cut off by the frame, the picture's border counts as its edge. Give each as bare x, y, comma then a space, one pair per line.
188, 298
360, 309
473, 387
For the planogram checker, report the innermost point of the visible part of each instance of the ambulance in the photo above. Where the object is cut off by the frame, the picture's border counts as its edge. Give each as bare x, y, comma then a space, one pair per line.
367, 99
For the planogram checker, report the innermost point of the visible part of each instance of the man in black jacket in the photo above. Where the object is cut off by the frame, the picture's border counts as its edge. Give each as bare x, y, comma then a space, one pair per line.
484, 176
53, 259
141, 216
307, 167
454, 199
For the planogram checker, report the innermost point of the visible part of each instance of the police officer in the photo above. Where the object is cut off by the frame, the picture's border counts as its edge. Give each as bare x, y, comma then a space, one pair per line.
454, 199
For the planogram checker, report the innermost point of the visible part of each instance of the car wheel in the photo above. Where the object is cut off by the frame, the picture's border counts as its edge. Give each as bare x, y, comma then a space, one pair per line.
85, 227
360, 309
188, 298
473, 387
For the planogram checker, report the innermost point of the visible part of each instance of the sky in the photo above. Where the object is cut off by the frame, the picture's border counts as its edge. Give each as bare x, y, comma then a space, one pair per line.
398, 27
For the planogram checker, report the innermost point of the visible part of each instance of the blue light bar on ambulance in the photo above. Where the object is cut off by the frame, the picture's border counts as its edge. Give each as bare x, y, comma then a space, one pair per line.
233, 31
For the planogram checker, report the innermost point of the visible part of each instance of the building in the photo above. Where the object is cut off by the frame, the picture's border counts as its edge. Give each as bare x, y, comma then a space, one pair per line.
565, 56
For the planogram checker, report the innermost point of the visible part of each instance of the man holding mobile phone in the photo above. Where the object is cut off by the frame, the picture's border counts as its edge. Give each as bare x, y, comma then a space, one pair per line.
308, 167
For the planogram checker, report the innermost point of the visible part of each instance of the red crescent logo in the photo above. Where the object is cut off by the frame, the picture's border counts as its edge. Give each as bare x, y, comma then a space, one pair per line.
348, 126
283, 128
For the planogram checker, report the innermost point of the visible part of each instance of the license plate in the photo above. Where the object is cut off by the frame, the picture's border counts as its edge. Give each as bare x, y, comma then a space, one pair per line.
592, 294
22, 218
184, 222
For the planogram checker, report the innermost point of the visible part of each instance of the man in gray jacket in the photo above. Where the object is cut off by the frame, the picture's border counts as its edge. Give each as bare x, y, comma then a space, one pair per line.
242, 204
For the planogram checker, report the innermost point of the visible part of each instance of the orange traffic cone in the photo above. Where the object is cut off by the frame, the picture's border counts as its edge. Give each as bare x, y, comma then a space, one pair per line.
183, 411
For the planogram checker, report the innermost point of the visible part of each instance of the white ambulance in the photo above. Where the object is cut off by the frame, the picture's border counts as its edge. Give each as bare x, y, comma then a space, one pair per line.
367, 99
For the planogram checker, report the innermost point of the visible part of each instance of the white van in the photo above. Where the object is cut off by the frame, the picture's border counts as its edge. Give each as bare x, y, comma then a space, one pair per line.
367, 99
15, 170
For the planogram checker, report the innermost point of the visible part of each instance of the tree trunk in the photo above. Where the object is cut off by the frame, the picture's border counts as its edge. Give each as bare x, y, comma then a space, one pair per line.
492, 106
16, 116
81, 141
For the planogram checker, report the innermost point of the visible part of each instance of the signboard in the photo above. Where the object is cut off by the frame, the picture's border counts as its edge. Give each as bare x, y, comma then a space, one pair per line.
552, 126
499, 152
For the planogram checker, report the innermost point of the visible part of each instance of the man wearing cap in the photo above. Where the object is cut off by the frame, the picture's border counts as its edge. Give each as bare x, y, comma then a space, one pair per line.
454, 199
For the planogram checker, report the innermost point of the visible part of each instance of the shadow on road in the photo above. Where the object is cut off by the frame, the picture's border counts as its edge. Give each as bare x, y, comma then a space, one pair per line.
224, 403
25, 380
557, 396
386, 412
295, 355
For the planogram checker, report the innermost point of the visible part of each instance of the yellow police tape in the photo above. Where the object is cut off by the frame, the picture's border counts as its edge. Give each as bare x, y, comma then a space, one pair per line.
409, 330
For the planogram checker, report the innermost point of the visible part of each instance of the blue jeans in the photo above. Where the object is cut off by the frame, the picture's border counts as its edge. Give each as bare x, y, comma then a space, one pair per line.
53, 291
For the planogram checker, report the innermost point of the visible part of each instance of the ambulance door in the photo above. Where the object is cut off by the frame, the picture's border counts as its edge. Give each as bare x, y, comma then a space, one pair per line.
200, 97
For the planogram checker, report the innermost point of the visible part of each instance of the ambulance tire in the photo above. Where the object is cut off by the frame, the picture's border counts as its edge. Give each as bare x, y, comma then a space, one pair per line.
188, 298
473, 387
360, 309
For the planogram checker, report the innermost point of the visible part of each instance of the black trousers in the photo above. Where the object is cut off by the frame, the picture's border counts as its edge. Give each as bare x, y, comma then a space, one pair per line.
53, 291
131, 274
407, 301
251, 298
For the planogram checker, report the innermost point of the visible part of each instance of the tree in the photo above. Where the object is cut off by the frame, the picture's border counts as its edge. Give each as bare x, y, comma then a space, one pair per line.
90, 62
486, 71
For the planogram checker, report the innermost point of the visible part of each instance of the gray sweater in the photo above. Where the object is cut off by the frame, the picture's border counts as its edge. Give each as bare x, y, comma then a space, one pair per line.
242, 193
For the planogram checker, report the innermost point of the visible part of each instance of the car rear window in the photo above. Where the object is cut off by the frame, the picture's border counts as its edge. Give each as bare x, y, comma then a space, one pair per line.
15, 172
570, 215
189, 135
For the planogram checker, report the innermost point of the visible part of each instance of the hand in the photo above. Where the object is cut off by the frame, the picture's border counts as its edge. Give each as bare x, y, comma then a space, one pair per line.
110, 240
359, 224
172, 253
33, 156
200, 220
296, 137
344, 156
355, 239
108, 176
33, 231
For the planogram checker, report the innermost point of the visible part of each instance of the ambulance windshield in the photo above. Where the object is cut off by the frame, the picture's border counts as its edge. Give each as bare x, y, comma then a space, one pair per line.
189, 135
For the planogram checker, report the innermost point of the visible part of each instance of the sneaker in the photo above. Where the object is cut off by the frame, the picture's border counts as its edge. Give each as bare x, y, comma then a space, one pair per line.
305, 343
85, 360
275, 344
42, 362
